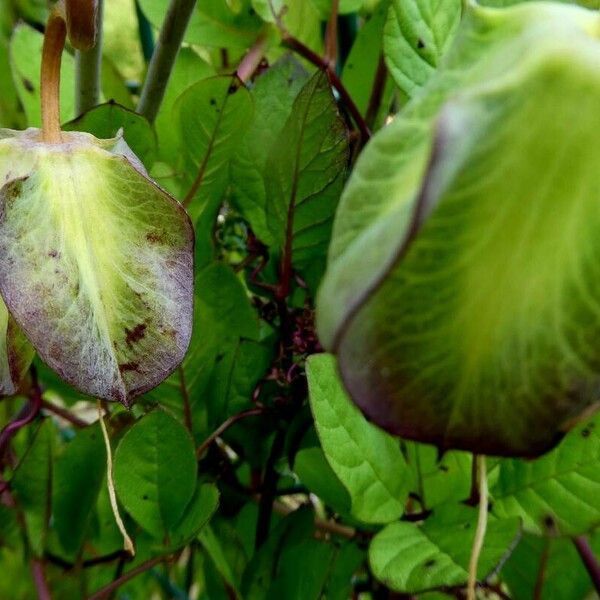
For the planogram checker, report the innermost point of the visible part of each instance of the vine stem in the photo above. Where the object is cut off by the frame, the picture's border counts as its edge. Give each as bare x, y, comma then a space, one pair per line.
164, 56
481, 527
54, 43
589, 559
127, 543
252, 59
88, 68
39, 578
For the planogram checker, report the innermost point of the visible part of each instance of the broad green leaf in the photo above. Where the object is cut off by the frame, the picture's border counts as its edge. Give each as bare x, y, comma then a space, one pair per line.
198, 512
211, 116
367, 460
222, 317
410, 558
417, 34
305, 172
102, 284
77, 476
26, 57
155, 472
236, 374
32, 485
274, 93
213, 23
453, 324
189, 68
105, 122
556, 494
114, 85
540, 564
16, 353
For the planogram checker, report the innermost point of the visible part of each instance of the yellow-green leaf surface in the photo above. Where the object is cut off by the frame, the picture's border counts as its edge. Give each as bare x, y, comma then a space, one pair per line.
97, 262
417, 33
414, 558
368, 461
462, 295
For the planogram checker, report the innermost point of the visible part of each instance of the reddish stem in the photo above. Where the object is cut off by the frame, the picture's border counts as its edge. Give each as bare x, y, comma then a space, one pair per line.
297, 46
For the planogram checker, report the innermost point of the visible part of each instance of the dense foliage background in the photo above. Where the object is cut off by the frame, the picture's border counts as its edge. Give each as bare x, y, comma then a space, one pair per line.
233, 484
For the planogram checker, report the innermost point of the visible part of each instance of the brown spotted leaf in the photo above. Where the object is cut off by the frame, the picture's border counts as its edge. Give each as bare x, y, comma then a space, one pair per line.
97, 262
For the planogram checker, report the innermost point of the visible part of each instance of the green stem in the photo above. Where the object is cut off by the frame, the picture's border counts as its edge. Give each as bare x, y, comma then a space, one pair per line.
88, 70
164, 56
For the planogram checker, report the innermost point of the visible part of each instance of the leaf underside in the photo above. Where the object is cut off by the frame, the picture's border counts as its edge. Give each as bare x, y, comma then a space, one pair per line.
98, 263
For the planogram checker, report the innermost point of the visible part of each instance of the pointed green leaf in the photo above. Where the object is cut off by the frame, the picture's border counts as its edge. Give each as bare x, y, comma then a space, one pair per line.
97, 263
305, 172
417, 34
273, 93
155, 472
367, 460
32, 485
556, 494
211, 116
464, 308
198, 512
410, 558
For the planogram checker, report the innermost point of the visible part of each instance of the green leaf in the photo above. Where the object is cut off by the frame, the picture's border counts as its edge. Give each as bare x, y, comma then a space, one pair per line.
213, 23
447, 332
344, 6
361, 65
305, 172
155, 472
32, 485
78, 474
274, 93
16, 353
417, 34
212, 116
198, 512
102, 284
311, 466
550, 559
26, 57
409, 558
223, 316
189, 68
556, 494
236, 374
105, 121
367, 460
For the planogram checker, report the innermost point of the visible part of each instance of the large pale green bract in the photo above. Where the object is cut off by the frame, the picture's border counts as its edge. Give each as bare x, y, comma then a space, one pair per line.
462, 295
97, 262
